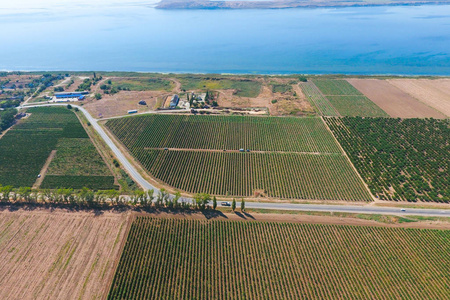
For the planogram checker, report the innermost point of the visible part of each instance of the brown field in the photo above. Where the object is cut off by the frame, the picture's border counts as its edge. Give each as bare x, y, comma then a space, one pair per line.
120, 103
76, 82
392, 100
287, 103
58, 255
435, 93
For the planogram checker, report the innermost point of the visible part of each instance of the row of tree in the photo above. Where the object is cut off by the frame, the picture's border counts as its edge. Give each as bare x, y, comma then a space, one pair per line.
87, 197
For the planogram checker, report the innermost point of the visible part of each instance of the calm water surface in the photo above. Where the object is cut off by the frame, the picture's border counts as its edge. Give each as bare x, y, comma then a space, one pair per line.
133, 36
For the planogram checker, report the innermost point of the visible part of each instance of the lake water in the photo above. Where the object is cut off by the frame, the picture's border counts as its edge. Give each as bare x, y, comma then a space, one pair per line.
133, 36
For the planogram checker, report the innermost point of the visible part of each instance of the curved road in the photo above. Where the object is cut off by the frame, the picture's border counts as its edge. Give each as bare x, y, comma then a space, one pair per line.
258, 205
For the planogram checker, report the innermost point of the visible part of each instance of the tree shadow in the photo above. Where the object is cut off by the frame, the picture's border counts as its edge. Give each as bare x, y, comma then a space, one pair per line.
210, 214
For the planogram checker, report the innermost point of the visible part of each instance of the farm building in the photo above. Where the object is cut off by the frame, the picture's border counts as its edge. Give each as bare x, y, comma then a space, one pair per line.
65, 95
174, 101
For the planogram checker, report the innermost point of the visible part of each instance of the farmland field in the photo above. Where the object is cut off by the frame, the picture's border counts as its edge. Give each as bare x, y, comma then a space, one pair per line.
27, 146
348, 100
396, 102
287, 175
200, 259
399, 159
289, 158
322, 105
435, 93
231, 133
58, 255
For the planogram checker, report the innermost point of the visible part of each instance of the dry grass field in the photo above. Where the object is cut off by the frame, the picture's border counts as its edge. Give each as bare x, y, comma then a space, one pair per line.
120, 103
394, 101
435, 93
58, 255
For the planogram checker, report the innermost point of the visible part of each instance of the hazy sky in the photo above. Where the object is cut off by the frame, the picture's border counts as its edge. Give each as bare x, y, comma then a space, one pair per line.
48, 4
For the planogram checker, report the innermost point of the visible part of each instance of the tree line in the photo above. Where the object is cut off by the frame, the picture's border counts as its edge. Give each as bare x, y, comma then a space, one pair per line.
91, 198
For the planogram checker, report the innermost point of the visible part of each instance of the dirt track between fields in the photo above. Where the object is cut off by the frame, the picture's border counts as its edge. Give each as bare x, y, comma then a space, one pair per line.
289, 217
55, 254
44, 169
392, 100
435, 93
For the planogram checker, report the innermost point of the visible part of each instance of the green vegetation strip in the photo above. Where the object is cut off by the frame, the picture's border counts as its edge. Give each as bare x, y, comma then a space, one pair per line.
243, 87
139, 84
348, 100
25, 149
399, 159
199, 259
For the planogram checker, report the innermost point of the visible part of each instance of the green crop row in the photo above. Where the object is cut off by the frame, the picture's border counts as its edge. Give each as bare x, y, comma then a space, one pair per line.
347, 100
25, 149
199, 259
79, 182
300, 176
218, 132
399, 159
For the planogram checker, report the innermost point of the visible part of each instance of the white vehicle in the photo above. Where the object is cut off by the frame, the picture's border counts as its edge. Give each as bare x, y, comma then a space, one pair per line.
403, 209
39, 176
225, 204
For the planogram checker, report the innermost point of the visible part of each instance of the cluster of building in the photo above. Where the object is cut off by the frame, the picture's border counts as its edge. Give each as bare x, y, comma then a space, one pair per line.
69, 96
186, 104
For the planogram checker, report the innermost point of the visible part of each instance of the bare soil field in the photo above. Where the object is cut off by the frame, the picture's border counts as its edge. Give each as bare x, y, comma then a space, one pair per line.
120, 103
435, 93
54, 254
392, 100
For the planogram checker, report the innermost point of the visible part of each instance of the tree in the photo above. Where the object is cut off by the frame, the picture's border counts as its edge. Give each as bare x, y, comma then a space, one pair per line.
214, 203
69, 106
242, 205
233, 204
6, 190
25, 193
205, 200
176, 198
98, 96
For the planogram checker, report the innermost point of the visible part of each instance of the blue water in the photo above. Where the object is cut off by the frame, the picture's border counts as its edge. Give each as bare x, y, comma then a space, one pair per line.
133, 36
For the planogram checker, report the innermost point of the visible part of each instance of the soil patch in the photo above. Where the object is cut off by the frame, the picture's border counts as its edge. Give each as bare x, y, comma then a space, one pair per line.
435, 93
55, 254
394, 101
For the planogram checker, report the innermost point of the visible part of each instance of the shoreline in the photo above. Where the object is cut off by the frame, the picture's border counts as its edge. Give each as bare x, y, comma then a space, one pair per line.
334, 75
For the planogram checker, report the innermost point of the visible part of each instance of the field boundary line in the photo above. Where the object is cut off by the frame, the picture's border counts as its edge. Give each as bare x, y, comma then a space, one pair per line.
350, 162
244, 152
108, 286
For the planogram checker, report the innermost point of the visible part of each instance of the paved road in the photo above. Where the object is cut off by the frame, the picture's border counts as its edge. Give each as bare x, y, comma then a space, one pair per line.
259, 205
351, 209
119, 155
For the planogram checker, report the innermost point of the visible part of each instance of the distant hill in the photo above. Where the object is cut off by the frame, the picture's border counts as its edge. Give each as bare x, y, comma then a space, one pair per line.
208, 4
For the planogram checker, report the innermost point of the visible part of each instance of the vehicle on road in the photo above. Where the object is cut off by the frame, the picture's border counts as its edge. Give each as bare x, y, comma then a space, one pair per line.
226, 203
403, 209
